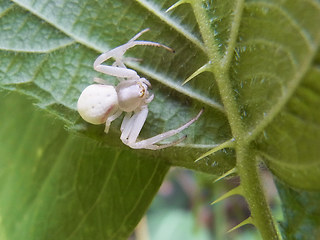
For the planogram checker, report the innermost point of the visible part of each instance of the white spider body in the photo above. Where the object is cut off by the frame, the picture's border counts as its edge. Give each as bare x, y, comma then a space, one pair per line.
103, 103
131, 95
97, 102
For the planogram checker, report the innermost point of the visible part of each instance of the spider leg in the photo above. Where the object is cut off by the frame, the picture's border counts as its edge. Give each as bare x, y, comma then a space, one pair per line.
131, 59
125, 121
149, 99
145, 81
119, 64
148, 43
133, 127
149, 143
119, 72
118, 69
132, 42
117, 53
100, 81
126, 131
139, 34
157, 147
110, 119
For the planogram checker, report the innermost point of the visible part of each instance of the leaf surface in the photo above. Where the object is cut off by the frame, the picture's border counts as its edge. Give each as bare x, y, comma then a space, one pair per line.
56, 184
267, 46
56, 67
84, 189
274, 79
301, 213
290, 145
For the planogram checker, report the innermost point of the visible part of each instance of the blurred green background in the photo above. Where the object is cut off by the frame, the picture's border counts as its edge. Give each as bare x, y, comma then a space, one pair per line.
182, 209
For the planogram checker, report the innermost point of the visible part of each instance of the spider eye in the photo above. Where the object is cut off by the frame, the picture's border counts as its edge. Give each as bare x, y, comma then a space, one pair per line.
142, 89
142, 92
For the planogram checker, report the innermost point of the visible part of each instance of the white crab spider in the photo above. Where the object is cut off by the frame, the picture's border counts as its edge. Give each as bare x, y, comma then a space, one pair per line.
102, 103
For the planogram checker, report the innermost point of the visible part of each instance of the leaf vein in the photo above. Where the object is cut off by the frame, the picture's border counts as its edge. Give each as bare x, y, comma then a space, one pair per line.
234, 33
107, 179
175, 25
276, 45
314, 3
300, 165
262, 74
6, 11
138, 199
305, 36
303, 121
177, 87
283, 99
144, 70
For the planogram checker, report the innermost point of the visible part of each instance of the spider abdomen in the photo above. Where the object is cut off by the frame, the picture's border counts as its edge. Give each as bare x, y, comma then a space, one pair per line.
97, 102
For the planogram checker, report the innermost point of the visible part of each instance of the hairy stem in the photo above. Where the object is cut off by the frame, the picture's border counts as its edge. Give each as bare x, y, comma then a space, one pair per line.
246, 162
253, 192
220, 72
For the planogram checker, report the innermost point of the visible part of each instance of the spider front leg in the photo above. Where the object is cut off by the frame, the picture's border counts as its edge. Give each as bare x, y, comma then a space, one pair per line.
134, 125
125, 121
119, 72
119, 69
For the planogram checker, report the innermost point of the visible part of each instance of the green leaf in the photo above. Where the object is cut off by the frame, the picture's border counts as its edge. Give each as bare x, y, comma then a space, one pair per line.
278, 103
69, 187
267, 69
258, 51
301, 213
277, 42
290, 144
49, 53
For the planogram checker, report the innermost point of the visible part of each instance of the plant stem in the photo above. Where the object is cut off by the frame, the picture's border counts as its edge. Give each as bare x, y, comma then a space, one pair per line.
253, 192
246, 162
220, 72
